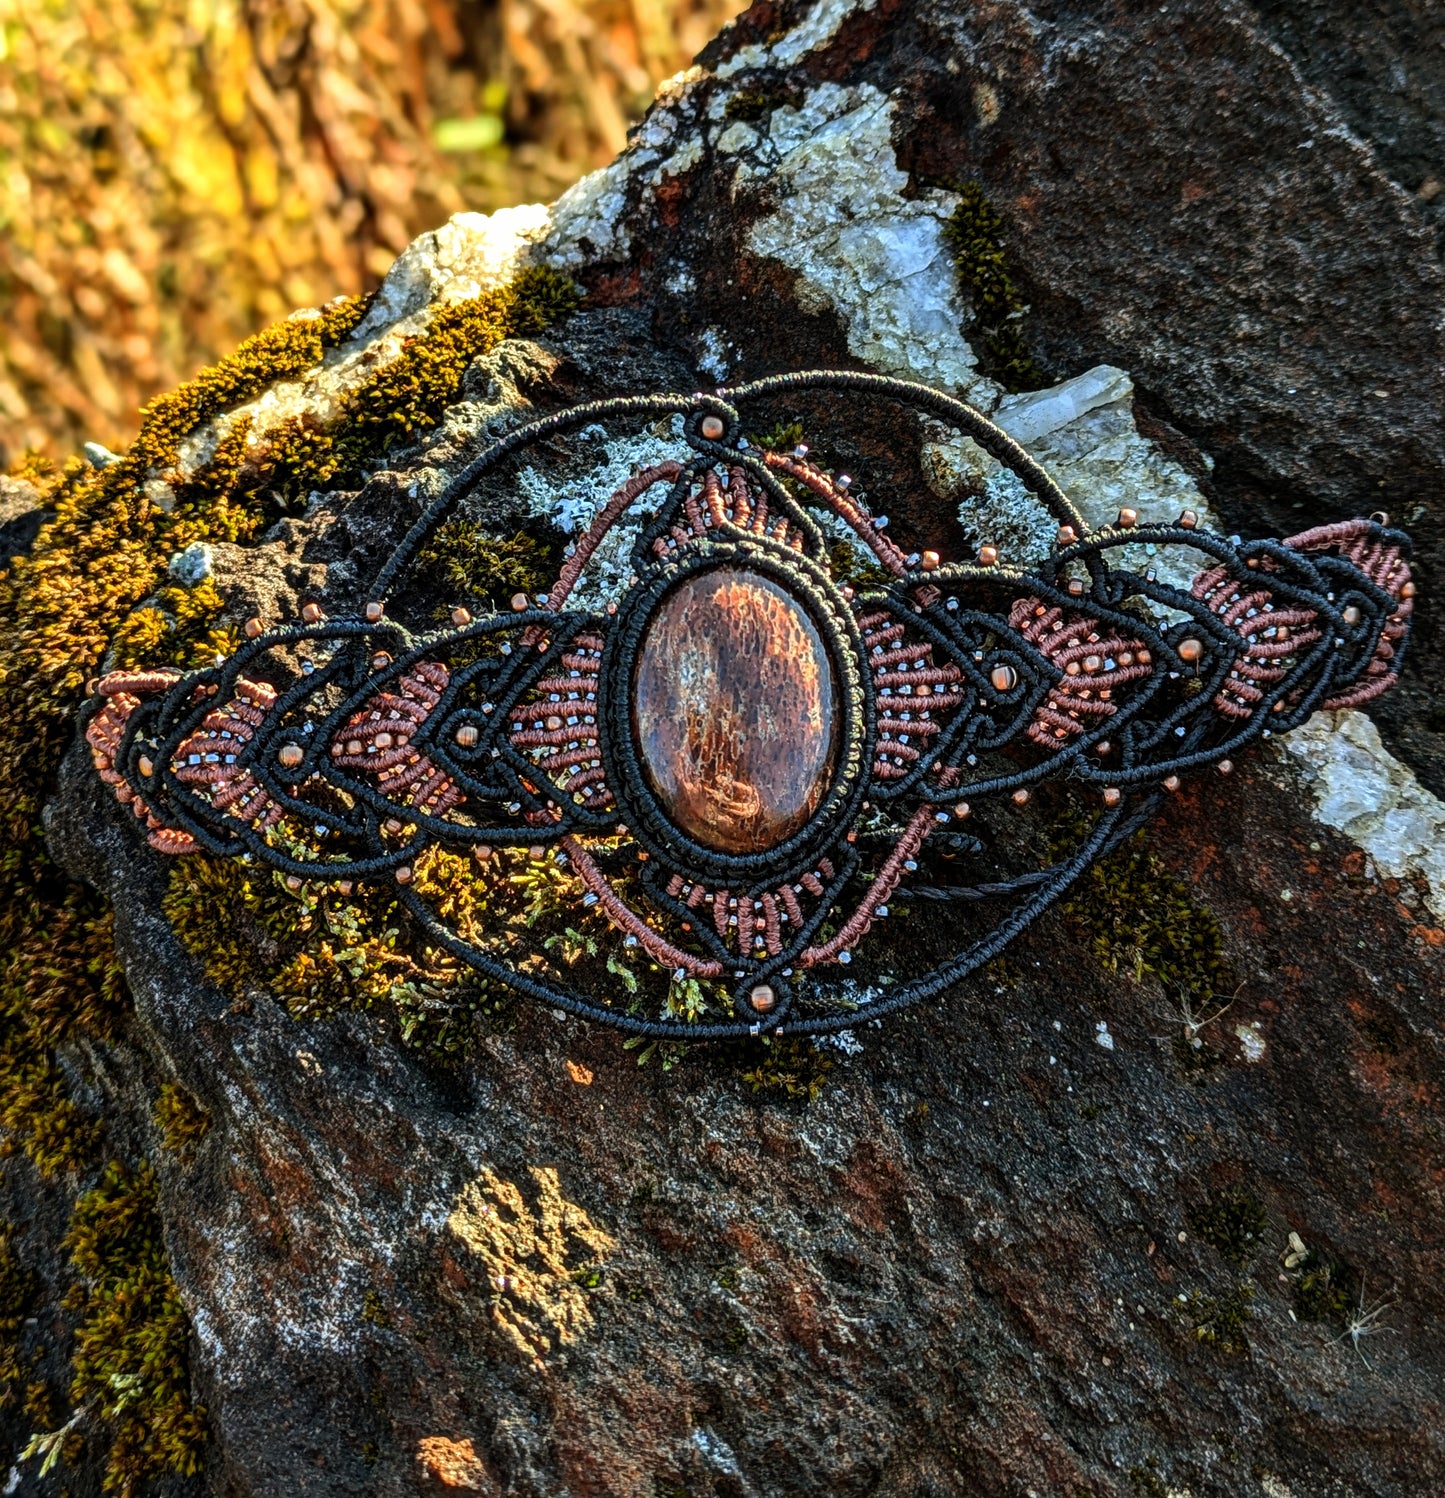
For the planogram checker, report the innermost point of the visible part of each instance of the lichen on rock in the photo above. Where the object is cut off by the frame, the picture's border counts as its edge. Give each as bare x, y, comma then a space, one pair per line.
1361, 790
538, 1261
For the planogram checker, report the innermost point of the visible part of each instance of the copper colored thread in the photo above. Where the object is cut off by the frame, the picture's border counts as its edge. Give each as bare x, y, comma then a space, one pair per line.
1261, 663
589, 777
567, 758
845, 508
933, 676
245, 712
712, 498
772, 927
136, 683
607, 517
922, 727
1065, 640
538, 738
581, 685
886, 658
790, 904
856, 926
377, 764
258, 693
693, 511
720, 913
742, 500
758, 523
172, 841
620, 915
1358, 543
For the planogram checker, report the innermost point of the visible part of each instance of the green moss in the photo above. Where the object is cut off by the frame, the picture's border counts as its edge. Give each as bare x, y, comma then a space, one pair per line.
177, 628
1003, 973
409, 393
59, 978
1325, 1290
320, 950
101, 553
131, 1364
180, 1118
284, 351
18, 1294
748, 104
1233, 1223
471, 565
784, 437
752, 104
793, 1067
1143, 921
374, 1310
975, 235
231, 918
1222, 1322
1147, 1482
853, 567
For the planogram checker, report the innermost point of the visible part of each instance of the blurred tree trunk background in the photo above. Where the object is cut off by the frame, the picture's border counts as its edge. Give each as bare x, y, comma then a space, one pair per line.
176, 173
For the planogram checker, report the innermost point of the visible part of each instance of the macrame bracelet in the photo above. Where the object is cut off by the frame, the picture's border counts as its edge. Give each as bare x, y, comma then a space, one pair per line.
777, 751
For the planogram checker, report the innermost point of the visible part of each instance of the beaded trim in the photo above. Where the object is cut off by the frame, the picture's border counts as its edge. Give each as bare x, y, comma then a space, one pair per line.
339, 749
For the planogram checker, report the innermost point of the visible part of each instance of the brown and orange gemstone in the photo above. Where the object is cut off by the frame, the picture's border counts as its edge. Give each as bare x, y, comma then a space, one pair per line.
735, 710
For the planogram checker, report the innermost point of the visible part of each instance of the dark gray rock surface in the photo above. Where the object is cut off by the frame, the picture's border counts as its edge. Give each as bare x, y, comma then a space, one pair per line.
972, 1264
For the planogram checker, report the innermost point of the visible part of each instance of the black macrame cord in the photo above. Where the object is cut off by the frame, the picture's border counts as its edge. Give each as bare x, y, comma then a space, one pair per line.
957, 687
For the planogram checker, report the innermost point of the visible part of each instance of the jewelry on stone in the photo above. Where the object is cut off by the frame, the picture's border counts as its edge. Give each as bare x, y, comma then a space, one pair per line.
776, 751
